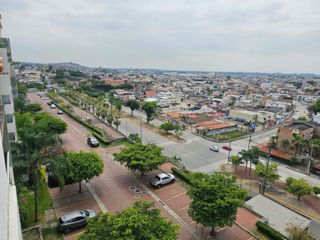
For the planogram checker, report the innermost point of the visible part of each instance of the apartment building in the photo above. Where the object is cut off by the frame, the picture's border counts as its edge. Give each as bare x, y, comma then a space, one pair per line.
8, 86
10, 228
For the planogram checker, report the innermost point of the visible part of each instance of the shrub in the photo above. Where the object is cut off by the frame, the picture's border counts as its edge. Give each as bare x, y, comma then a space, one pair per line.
101, 138
183, 174
316, 190
272, 233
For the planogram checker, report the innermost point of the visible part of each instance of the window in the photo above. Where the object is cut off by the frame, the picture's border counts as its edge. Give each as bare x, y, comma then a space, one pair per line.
12, 136
6, 99
9, 118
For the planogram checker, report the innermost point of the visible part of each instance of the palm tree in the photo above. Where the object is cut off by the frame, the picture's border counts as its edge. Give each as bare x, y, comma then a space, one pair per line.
285, 143
245, 155
29, 153
297, 143
254, 157
236, 161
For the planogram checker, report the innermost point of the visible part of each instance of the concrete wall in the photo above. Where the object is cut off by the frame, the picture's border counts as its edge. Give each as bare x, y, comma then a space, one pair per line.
6, 89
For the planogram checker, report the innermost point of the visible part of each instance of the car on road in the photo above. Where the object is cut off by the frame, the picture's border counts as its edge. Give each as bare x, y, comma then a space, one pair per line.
92, 141
227, 148
162, 179
214, 148
74, 220
59, 112
52, 106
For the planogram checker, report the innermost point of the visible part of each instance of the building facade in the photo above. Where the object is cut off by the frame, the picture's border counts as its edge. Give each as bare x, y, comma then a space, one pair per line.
10, 227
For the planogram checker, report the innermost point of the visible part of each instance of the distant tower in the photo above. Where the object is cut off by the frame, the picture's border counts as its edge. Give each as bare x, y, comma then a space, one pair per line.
0, 25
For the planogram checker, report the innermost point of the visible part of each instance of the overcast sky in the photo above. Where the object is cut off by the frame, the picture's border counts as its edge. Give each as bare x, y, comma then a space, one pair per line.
213, 35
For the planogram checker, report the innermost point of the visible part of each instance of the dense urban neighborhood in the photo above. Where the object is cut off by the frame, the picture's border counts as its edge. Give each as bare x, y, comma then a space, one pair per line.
96, 153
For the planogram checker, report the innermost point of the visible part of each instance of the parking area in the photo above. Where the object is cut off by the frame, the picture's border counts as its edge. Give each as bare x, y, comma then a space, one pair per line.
174, 195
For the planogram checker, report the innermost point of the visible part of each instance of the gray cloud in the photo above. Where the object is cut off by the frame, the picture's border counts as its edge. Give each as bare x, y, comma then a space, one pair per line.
214, 35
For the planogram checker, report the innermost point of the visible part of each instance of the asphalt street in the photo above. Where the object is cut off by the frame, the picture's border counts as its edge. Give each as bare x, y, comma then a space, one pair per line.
195, 153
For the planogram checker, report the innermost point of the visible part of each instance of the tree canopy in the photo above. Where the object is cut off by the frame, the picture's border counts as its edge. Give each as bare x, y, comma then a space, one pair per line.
140, 221
168, 126
141, 157
150, 109
298, 187
85, 165
272, 173
133, 105
215, 199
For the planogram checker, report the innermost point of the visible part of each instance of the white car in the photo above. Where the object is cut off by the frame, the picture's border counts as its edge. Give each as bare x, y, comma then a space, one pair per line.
52, 106
214, 148
162, 179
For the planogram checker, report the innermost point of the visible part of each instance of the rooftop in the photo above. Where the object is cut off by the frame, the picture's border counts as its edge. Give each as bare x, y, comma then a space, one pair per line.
300, 126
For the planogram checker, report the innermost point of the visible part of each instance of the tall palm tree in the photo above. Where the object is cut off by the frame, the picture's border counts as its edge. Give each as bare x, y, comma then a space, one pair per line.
285, 143
29, 153
297, 142
254, 157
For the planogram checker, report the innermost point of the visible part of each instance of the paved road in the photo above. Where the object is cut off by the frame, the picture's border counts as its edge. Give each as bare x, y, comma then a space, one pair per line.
195, 153
300, 110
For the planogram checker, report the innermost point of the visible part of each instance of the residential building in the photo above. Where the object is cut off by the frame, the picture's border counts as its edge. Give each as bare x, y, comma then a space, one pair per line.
287, 132
124, 95
10, 227
244, 115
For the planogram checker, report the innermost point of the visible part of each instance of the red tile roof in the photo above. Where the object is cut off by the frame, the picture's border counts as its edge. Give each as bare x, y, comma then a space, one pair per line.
274, 152
150, 93
213, 124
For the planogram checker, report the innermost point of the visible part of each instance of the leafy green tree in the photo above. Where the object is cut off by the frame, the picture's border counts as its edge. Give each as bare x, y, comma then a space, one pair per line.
296, 233
49, 124
133, 105
236, 161
134, 137
298, 187
140, 221
315, 107
303, 118
215, 199
168, 126
271, 175
150, 109
33, 107
117, 121
141, 157
85, 165
30, 150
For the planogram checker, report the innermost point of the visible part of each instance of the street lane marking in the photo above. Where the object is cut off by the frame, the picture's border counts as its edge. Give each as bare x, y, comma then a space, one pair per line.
175, 196
96, 197
73, 205
163, 188
185, 207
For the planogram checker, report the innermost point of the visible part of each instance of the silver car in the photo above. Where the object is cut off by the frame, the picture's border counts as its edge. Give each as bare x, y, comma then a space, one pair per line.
74, 220
162, 179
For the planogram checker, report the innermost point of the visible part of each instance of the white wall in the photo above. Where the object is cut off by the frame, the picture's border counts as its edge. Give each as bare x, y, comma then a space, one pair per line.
4, 186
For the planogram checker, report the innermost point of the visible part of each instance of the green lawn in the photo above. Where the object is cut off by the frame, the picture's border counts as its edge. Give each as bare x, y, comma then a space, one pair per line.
227, 136
26, 204
51, 234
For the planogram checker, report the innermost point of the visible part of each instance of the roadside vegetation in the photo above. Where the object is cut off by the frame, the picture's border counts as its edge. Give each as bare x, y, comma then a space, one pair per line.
227, 136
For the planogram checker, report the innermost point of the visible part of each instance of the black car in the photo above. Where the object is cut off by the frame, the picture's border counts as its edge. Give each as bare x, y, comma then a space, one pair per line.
74, 220
93, 142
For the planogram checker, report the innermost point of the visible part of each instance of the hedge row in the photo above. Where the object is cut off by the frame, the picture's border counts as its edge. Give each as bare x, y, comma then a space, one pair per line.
101, 138
269, 231
183, 174
97, 132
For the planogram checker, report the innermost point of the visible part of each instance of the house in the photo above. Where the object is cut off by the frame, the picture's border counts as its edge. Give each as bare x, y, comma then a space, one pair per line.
114, 82
244, 115
287, 132
213, 127
124, 95
188, 104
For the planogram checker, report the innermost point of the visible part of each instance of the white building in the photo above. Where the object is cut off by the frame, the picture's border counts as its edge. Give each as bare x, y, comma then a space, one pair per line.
8, 87
10, 228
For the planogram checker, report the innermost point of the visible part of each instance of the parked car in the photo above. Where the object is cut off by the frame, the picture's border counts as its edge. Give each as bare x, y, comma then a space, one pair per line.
162, 179
214, 148
59, 112
74, 220
52, 106
92, 142
49, 103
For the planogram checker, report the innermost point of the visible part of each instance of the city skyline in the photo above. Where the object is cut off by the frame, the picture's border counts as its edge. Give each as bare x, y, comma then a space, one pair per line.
251, 36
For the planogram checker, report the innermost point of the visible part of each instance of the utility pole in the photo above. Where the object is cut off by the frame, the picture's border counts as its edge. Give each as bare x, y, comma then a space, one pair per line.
263, 187
141, 128
249, 140
229, 152
309, 158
